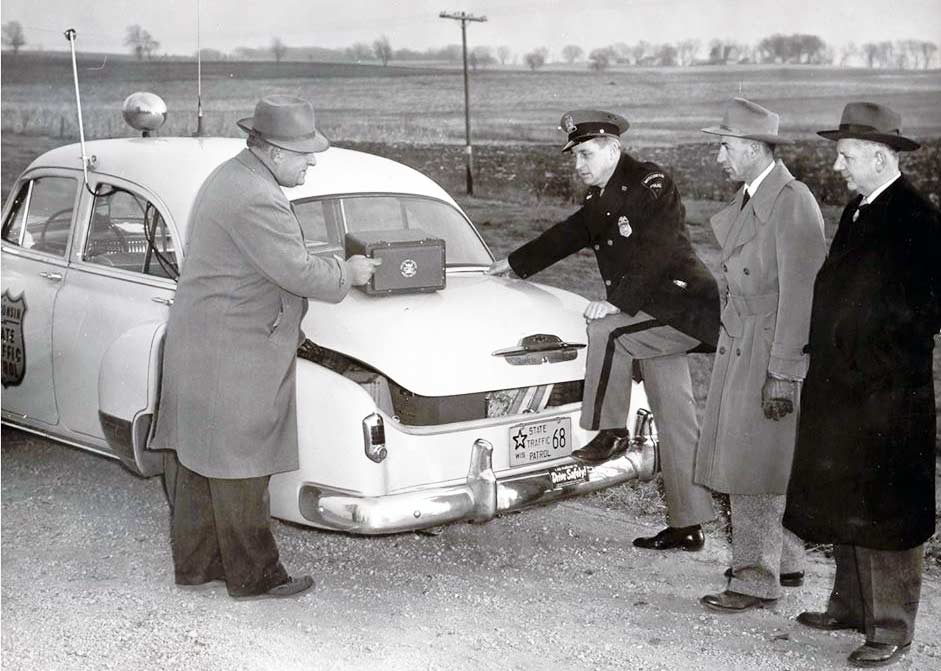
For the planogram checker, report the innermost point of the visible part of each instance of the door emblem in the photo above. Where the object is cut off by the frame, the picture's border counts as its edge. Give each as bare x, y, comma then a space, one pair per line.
14, 348
408, 268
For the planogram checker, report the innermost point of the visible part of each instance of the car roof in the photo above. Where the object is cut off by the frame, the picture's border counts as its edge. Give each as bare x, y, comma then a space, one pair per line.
174, 168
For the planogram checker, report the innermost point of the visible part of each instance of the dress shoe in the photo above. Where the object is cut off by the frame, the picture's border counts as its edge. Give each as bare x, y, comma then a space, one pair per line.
877, 654
607, 444
685, 538
825, 621
291, 587
795, 579
733, 602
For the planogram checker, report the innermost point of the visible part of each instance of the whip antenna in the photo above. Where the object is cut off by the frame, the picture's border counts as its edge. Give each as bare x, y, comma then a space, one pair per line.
86, 160
199, 79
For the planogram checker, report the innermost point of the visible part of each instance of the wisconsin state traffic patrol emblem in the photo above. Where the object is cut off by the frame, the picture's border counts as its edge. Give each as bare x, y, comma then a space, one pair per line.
568, 123
624, 227
654, 182
11, 339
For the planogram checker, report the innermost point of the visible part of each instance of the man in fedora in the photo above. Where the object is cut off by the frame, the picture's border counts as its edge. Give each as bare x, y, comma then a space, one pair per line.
227, 402
661, 303
864, 466
772, 241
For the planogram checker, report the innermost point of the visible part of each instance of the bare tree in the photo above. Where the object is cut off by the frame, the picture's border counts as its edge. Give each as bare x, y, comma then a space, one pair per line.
278, 49
536, 58
359, 52
600, 59
571, 53
639, 51
848, 52
687, 50
140, 41
481, 57
503, 53
12, 36
383, 49
928, 50
666, 54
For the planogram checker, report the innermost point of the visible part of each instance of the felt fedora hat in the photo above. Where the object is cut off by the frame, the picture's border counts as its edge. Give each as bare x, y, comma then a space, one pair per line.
286, 122
873, 122
749, 121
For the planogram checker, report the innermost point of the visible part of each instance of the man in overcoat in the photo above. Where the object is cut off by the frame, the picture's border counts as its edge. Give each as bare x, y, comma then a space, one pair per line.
772, 240
661, 303
864, 466
227, 403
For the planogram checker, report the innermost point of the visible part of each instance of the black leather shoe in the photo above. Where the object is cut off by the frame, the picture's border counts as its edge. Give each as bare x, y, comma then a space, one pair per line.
825, 621
291, 587
733, 602
795, 579
607, 444
690, 539
877, 654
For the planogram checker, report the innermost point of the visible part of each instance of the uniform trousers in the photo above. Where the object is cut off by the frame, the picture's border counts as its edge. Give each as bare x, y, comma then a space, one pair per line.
762, 548
878, 591
614, 342
221, 530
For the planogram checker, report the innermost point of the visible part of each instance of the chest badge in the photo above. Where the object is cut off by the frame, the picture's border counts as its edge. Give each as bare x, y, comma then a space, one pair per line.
624, 227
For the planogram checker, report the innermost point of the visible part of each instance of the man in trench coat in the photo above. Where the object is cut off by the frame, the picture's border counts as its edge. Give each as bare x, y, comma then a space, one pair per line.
661, 303
864, 468
227, 403
772, 240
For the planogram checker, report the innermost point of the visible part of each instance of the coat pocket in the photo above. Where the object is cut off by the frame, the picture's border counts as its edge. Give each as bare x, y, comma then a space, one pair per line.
273, 327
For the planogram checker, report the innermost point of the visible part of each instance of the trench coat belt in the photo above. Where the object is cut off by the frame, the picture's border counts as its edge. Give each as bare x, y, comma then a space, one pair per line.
738, 308
758, 304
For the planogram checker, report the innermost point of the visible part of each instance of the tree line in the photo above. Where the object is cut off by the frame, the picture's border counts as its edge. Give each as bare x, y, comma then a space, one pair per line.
793, 49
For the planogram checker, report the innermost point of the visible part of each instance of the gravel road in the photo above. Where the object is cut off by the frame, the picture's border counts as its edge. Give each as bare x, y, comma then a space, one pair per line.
87, 583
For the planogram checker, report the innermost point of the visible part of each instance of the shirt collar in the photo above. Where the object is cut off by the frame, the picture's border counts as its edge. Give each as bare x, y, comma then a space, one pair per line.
753, 187
875, 193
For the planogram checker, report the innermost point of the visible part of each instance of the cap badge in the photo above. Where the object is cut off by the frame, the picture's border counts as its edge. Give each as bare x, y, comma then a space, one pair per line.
568, 122
624, 227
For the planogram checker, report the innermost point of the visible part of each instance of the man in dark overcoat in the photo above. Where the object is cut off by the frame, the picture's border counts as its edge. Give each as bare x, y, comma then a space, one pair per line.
864, 465
661, 303
227, 402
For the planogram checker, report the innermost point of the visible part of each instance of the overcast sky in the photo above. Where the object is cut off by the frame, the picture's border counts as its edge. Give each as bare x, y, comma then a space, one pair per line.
520, 24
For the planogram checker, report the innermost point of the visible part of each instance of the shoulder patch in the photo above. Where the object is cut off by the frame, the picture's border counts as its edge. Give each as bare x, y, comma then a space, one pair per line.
655, 183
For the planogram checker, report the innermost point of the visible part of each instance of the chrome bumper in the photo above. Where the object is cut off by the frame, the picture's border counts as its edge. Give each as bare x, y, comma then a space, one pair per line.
480, 498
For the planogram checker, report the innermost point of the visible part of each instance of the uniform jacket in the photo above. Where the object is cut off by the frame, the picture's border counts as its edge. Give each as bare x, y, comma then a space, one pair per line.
864, 465
771, 251
637, 229
227, 403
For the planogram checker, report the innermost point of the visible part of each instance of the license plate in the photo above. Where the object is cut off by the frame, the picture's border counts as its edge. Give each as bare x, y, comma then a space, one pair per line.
533, 442
569, 474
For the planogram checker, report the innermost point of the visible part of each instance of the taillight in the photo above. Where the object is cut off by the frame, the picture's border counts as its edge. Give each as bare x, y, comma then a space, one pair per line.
374, 438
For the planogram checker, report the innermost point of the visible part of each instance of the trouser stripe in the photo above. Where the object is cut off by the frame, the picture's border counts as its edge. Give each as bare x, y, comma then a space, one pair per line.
608, 358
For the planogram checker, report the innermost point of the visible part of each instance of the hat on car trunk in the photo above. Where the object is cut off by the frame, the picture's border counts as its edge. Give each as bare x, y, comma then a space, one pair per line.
286, 122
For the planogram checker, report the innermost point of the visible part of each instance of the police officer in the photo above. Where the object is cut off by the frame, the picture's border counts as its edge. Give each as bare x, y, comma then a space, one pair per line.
661, 303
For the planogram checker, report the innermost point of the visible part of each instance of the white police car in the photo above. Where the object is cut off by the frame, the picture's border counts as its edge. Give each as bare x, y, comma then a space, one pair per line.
414, 410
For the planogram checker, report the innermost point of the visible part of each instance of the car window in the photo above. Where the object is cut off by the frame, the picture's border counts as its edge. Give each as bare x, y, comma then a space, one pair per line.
433, 217
129, 233
318, 223
41, 217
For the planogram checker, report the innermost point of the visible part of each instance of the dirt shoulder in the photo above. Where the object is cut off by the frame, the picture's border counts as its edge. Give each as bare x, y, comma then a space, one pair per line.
87, 584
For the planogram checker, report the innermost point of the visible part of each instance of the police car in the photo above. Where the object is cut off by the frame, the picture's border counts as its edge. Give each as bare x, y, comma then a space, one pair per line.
414, 409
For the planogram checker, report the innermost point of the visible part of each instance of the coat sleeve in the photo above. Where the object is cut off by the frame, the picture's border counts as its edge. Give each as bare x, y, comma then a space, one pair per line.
268, 234
801, 249
563, 239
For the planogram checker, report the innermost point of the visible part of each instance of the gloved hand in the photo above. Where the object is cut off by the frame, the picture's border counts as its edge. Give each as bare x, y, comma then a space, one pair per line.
778, 397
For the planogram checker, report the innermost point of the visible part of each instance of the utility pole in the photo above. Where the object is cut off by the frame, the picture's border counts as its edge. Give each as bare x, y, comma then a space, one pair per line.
464, 17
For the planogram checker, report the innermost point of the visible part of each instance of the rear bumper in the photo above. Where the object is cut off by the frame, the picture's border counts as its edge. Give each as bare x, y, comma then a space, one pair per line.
480, 498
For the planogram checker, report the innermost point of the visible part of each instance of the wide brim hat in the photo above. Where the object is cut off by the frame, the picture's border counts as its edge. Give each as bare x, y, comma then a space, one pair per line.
872, 122
749, 121
287, 122
582, 125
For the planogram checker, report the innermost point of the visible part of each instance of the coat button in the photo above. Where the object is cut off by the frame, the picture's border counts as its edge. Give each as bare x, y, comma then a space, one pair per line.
607, 283
597, 246
721, 350
607, 214
746, 271
725, 268
610, 242
738, 351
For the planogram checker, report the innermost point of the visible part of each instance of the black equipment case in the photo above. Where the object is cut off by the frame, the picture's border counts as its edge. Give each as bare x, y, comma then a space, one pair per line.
411, 260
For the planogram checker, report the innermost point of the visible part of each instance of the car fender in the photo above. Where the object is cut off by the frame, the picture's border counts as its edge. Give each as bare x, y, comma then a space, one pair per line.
128, 391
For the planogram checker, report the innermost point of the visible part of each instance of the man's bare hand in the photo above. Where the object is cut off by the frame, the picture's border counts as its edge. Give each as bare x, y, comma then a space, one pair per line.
599, 310
501, 267
362, 269
778, 397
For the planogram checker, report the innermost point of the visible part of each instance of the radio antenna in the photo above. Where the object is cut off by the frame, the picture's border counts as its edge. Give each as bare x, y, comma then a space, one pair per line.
199, 80
86, 160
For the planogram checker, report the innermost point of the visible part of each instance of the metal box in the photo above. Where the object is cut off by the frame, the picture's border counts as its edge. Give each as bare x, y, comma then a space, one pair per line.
412, 262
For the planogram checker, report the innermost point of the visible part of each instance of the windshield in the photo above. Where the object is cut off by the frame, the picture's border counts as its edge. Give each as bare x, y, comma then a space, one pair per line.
326, 221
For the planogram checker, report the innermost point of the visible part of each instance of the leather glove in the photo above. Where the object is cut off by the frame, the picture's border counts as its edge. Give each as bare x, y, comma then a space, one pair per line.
778, 397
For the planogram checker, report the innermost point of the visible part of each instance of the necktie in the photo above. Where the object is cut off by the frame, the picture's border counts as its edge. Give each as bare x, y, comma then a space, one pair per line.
859, 209
745, 199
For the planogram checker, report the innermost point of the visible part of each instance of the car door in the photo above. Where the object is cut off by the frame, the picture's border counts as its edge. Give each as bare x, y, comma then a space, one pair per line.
36, 238
110, 319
